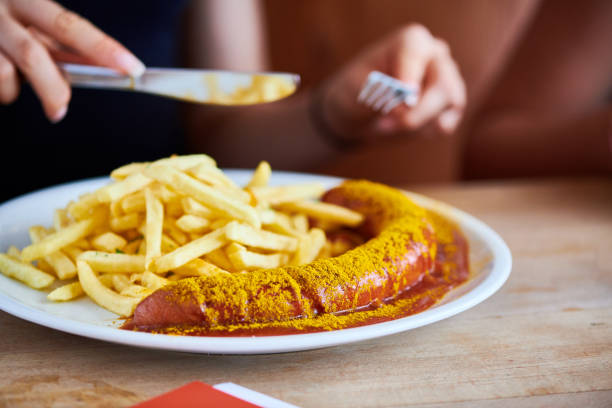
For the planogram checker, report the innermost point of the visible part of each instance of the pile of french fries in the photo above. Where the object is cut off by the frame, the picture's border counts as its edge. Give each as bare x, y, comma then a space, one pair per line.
264, 88
170, 219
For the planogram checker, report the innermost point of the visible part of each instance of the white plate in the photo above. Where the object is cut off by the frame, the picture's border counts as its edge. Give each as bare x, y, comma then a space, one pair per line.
490, 263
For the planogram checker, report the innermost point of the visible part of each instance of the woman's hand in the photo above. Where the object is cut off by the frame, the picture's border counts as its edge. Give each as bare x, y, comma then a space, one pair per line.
413, 56
35, 32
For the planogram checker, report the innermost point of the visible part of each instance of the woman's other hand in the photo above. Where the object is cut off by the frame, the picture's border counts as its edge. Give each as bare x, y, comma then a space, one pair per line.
416, 58
34, 33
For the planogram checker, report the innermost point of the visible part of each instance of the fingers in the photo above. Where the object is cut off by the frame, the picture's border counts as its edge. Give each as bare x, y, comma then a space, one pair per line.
9, 81
443, 97
33, 60
450, 77
76, 32
454, 87
57, 51
449, 120
431, 104
413, 54
52, 30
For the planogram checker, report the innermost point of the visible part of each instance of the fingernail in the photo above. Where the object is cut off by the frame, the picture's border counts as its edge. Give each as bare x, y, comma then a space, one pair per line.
59, 115
449, 120
130, 64
411, 99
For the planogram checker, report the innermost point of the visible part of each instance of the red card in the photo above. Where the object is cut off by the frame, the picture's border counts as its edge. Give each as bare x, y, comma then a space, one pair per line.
195, 395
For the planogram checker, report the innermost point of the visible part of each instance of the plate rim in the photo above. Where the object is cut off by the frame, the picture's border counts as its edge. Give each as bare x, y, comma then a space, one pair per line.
495, 279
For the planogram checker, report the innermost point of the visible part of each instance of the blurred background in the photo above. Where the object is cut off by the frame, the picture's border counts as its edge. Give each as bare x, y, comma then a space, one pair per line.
537, 75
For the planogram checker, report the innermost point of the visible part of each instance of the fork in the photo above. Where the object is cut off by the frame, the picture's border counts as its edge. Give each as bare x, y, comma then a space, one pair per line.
383, 93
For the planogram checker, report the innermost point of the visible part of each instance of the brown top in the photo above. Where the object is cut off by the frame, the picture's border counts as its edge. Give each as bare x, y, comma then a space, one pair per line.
542, 340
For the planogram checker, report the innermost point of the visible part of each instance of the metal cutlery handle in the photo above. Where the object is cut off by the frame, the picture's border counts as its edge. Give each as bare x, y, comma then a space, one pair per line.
96, 77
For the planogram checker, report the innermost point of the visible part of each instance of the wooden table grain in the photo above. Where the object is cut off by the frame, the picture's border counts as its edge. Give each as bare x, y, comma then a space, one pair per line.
545, 339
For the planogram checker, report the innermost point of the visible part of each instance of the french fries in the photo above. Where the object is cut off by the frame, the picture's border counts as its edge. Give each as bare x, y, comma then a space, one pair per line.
24, 272
13, 252
120, 189
244, 259
192, 223
67, 292
125, 222
108, 242
83, 207
250, 236
61, 219
310, 245
275, 195
154, 226
105, 297
153, 281
64, 237
201, 192
199, 267
189, 252
326, 212
261, 175
61, 264
168, 220
113, 262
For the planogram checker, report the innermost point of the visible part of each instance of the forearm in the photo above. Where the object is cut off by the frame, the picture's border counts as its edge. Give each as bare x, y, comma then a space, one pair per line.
515, 144
219, 37
282, 133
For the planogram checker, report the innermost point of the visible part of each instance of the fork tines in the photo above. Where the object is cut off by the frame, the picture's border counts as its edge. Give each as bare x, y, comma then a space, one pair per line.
383, 93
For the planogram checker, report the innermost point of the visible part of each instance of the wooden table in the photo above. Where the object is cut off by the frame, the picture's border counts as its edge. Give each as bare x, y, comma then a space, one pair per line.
545, 339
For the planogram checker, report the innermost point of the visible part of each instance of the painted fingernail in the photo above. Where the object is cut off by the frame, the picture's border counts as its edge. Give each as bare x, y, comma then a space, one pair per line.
130, 64
449, 120
59, 115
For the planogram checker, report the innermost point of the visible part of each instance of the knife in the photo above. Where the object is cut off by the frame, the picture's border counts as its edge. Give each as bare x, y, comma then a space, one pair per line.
213, 87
